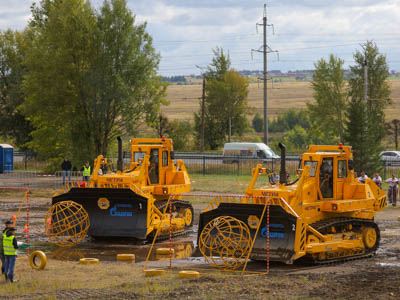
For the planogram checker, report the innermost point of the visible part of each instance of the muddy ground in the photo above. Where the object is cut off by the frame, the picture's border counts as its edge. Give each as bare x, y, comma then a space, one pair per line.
373, 278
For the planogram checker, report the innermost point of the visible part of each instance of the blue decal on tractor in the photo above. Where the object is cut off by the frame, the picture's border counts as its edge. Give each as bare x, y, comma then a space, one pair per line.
272, 235
115, 213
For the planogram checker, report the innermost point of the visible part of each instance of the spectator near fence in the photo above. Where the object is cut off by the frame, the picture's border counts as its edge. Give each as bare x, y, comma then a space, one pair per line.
66, 170
393, 189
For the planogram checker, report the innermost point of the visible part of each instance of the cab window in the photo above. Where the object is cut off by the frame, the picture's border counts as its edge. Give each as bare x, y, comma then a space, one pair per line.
138, 156
313, 166
165, 158
342, 169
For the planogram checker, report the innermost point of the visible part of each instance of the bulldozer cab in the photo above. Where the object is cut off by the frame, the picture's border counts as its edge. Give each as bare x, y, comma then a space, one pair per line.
330, 170
159, 152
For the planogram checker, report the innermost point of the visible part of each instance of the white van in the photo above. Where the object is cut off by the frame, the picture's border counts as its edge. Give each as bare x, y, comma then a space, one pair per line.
247, 150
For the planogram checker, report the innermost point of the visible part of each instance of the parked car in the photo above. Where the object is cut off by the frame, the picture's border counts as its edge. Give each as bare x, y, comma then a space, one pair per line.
390, 155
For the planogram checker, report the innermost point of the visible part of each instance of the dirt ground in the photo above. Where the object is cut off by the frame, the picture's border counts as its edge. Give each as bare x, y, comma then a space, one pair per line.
373, 278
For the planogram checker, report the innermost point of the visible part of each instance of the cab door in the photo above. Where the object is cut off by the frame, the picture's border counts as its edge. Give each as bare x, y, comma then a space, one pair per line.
326, 178
340, 177
154, 172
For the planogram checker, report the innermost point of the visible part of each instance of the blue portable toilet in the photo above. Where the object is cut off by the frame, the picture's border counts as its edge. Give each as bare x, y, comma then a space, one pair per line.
6, 158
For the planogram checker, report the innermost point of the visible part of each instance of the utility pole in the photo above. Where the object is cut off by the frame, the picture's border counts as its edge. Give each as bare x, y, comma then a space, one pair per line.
265, 50
203, 100
265, 75
365, 80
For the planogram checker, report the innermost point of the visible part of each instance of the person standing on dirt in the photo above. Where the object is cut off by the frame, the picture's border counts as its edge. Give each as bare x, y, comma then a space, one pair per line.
66, 170
393, 189
86, 171
10, 246
8, 224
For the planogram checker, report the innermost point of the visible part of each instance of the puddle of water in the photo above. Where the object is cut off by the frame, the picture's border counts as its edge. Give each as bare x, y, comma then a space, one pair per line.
108, 250
389, 264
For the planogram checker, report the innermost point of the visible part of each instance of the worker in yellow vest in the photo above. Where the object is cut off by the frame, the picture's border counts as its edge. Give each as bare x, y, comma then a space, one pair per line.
10, 247
86, 172
8, 224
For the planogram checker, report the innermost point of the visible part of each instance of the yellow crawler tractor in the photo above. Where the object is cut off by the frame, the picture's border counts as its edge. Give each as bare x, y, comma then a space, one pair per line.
131, 202
326, 215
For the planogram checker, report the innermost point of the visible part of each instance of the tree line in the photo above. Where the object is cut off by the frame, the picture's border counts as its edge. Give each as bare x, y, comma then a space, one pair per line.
77, 77
348, 111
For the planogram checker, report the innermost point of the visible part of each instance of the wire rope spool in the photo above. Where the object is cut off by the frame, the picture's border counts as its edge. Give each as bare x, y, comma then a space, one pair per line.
154, 272
225, 242
130, 258
38, 260
66, 223
189, 274
89, 261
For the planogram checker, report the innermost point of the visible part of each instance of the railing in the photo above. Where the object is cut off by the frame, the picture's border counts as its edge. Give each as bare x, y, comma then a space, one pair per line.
214, 164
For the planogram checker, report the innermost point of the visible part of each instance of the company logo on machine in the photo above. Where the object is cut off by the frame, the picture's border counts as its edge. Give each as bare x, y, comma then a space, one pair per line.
116, 212
103, 203
253, 221
273, 235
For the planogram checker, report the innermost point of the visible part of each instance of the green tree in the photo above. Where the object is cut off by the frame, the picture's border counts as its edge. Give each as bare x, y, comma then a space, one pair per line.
288, 119
328, 111
297, 138
258, 123
180, 132
225, 103
13, 124
393, 128
366, 121
92, 76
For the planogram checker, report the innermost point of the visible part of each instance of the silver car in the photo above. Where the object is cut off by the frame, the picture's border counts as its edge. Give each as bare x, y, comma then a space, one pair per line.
390, 155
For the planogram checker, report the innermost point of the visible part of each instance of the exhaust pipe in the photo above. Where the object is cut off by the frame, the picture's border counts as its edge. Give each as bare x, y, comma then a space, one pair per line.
119, 161
282, 174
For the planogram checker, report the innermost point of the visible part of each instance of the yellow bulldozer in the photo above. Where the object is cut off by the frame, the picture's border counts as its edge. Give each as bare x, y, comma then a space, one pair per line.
324, 216
131, 202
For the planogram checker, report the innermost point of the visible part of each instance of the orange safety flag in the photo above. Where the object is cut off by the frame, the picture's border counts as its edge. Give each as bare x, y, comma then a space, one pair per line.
26, 228
49, 222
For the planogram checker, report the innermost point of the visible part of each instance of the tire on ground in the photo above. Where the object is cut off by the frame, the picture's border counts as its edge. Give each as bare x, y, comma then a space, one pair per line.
88, 261
126, 257
154, 272
34, 256
189, 274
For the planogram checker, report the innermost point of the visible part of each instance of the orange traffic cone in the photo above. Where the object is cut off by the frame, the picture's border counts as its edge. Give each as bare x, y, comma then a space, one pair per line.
49, 222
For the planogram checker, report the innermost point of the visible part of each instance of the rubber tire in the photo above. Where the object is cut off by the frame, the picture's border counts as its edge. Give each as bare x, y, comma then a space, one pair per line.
154, 272
189, 274
89, 261
126, 257
164, 251
43, 260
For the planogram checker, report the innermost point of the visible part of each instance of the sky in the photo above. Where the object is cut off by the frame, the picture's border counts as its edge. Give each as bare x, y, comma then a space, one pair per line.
185, 32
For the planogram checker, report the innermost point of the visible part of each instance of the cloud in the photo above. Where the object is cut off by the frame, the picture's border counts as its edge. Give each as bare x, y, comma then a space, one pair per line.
186, 31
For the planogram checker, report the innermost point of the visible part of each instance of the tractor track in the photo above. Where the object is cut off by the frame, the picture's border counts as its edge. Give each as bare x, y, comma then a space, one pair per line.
325, 226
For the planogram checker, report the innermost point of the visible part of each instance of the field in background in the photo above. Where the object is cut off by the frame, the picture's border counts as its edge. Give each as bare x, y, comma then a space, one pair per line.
184, 99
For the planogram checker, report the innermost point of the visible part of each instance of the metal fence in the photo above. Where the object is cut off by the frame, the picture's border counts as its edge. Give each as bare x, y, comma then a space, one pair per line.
390, 167
209, 164
197, 164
